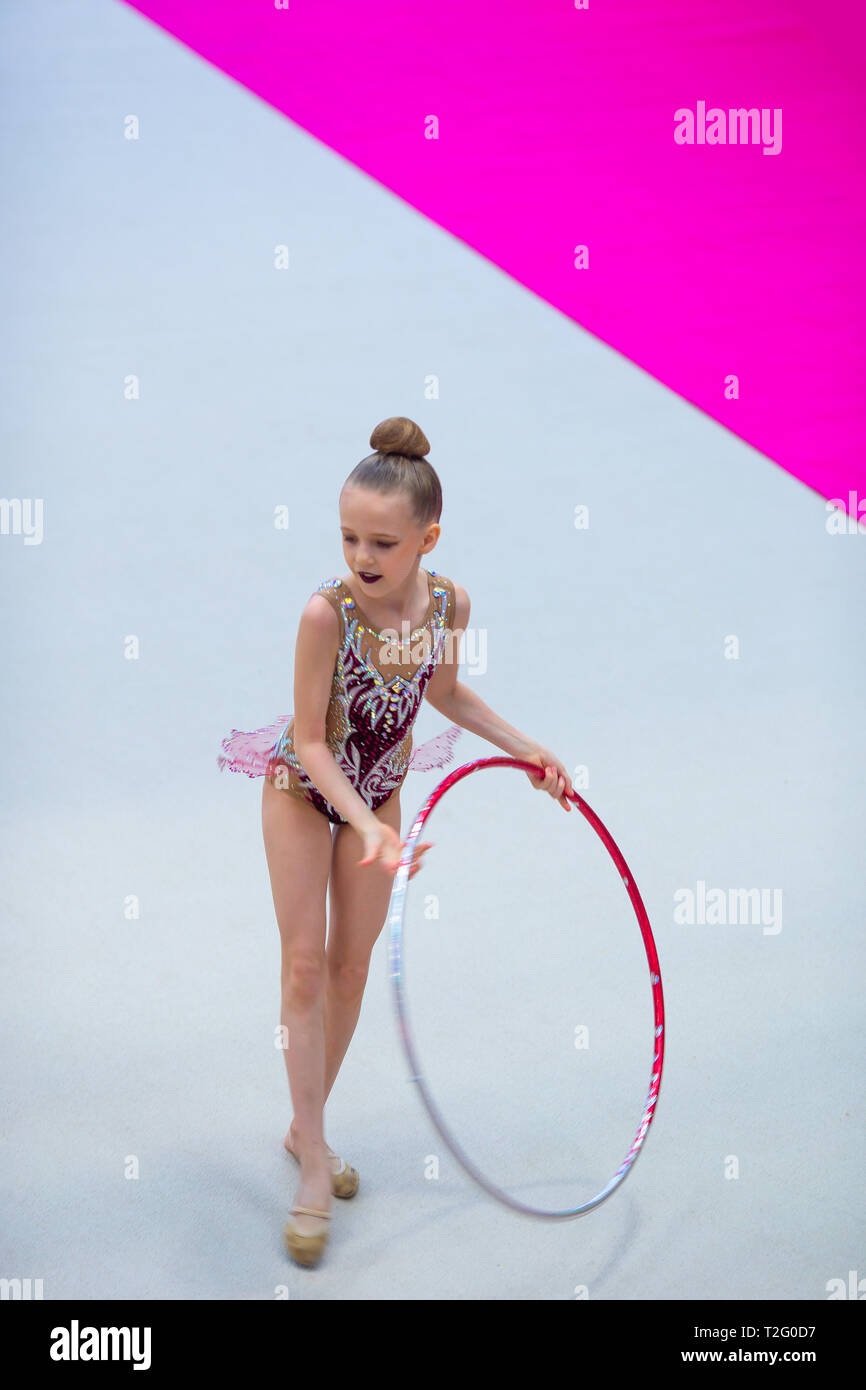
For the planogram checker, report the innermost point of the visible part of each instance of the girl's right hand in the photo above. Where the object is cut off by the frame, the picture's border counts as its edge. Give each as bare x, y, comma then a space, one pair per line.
383, 845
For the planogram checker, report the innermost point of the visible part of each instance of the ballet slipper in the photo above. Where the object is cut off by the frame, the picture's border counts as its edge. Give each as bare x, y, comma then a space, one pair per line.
344, 1183
306, 1250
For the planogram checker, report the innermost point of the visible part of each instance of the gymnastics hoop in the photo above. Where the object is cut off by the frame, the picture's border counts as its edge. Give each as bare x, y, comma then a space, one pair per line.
396, 914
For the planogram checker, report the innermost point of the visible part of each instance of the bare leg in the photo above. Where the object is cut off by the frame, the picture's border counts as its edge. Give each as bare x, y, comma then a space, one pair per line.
359, 906
298, 849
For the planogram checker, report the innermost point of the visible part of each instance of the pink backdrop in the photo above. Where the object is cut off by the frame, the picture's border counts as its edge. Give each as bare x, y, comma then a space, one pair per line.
556, 129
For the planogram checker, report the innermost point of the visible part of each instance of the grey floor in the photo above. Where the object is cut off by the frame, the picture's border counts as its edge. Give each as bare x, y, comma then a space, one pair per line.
144, 1100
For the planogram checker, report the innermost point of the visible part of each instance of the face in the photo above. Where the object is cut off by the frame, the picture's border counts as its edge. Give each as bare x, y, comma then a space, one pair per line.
381, 539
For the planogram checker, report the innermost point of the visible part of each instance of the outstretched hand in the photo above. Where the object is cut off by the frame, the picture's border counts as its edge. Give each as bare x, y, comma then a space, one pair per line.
383, 846
556, 780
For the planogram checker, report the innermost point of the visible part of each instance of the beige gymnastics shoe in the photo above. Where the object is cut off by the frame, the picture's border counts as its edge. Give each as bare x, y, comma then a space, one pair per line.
307, 1250
344, 1183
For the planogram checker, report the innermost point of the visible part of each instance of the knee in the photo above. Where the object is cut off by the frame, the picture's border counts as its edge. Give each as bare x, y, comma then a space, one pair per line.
347, 980
304, 979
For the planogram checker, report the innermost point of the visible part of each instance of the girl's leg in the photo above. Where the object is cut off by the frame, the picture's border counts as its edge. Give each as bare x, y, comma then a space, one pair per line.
359, 906
298, 848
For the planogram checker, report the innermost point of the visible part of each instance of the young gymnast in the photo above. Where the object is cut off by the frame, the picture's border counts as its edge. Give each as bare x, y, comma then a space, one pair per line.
371, 645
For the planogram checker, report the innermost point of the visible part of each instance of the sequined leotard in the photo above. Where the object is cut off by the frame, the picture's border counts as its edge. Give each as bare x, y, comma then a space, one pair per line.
375, 697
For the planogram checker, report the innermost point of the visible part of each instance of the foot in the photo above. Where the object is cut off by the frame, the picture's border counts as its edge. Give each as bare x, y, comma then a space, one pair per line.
291, 1143
314, 1190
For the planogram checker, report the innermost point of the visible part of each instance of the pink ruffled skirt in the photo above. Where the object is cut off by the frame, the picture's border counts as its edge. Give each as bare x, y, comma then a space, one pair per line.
251, 752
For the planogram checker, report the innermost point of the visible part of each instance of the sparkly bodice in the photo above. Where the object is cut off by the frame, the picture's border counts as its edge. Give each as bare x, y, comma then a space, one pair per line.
376, 692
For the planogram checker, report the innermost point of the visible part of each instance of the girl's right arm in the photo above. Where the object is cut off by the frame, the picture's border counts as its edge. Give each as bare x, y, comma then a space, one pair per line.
315, 657
316, 650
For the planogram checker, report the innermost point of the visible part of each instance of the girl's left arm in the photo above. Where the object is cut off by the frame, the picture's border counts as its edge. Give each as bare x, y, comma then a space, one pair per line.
461, 705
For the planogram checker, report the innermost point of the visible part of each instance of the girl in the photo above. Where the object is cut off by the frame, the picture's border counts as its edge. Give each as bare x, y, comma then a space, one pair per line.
370, 646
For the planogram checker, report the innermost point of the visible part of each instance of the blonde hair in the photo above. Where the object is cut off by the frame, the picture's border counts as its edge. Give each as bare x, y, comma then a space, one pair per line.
399, 465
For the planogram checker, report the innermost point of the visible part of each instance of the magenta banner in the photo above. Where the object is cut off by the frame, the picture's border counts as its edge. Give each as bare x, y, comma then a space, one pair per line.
685, 181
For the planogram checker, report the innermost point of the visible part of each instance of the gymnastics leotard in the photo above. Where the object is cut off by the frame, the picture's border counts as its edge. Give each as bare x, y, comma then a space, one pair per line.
374, 700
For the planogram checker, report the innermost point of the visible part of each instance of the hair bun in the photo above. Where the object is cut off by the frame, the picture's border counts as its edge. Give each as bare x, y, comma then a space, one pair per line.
397, 435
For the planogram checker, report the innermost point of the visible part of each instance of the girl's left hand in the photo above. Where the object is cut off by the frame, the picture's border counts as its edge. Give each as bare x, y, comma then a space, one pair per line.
556, 779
